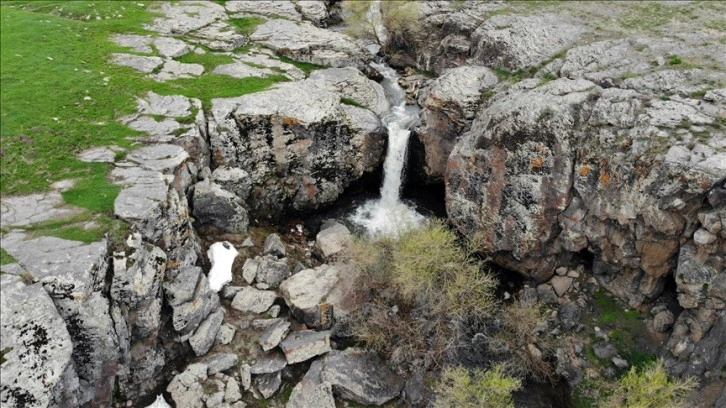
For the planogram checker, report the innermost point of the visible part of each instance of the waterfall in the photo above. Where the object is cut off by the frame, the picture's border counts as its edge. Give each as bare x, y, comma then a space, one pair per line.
388, 215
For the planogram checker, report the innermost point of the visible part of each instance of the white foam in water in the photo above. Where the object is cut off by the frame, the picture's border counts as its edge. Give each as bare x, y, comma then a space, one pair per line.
388, 215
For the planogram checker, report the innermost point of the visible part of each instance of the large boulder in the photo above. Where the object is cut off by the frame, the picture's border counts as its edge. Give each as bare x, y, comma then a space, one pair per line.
516, 42
566, 166
449, 104
303, 41
73, 274
37, 365
298, 144
352, 84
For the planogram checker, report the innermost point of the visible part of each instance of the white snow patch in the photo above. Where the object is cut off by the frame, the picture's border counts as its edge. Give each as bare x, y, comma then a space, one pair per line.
159, 403
221, 255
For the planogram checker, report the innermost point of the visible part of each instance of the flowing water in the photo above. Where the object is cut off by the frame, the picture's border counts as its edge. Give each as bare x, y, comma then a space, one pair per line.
388, 215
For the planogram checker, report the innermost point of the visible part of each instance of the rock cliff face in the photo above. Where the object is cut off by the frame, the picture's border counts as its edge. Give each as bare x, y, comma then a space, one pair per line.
615, 147
298, 143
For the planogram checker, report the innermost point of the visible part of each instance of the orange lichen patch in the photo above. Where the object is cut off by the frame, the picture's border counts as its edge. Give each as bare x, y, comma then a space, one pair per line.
311, 190
584, 171
536, 163
705, 184
605, 178
289, 121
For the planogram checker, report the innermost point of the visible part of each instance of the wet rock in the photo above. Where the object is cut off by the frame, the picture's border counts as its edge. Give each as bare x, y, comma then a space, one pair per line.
220, 362
269, 363
663, 321
204, 336
304, 345
186, 388
274, 246
249, 299
268, 384
274, 335
220, 208
361, 376
332, 239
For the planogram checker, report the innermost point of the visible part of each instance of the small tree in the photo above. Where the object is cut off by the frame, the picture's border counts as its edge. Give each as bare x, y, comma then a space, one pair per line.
491, 388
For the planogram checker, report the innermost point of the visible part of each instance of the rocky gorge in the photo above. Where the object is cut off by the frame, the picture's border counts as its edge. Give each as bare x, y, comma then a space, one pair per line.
584, 161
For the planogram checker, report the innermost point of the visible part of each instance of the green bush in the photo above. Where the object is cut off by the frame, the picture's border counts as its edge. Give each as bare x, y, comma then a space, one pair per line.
429, 267
491, 388
422, 287
649, 387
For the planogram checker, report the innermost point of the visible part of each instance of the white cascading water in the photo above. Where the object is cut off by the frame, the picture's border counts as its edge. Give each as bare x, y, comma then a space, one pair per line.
389, 215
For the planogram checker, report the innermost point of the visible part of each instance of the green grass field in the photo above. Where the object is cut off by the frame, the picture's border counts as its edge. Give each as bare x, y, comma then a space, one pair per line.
60, 95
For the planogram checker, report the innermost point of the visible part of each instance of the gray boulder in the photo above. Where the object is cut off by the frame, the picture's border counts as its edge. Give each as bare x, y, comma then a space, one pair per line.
234, 180
274, 246
449, 104
300, 147
268, 384
304, 345
34, 335
310, 290
274, 335
215, 206
517, 42
311, 391
351, 83
186, 388
361, 376
332, 239
305, 42
249, 299
269, 363
220, 362
204, 336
